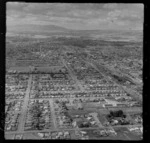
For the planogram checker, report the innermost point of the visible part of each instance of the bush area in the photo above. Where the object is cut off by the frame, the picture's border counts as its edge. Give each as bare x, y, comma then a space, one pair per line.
118, 113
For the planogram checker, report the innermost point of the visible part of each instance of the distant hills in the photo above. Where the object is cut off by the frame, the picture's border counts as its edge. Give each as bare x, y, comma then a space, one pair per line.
42, 31
45, 29
38, 29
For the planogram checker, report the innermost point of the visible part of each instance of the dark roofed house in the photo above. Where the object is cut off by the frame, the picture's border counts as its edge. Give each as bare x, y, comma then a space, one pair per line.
121, 104
108, 105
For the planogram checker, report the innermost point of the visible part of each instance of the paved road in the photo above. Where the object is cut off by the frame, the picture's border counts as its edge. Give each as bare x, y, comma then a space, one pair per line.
97, 120
72, 129
53, 117
72, 75
24, 108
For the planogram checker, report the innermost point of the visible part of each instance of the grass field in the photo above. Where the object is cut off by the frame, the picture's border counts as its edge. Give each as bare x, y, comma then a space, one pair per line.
123, 131
92, 135
102, 118
10, 136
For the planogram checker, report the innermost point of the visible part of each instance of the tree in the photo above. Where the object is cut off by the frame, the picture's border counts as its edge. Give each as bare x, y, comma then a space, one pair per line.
2, 122
118, 113
111, 113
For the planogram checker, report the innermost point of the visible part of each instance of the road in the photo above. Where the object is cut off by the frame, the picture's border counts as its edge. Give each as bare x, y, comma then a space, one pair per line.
53, 117
72, 129
24, 108
72, 75
97, 120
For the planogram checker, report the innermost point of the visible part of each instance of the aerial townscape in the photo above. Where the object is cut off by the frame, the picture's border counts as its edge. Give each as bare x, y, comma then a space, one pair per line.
73, 84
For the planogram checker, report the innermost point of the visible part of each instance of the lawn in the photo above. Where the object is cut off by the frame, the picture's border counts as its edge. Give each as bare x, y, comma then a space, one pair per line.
126, 133
9, 136
92, 135
102, 118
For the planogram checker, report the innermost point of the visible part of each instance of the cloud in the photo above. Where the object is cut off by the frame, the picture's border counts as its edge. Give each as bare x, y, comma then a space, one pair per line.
110, 6
126, 15
78, 16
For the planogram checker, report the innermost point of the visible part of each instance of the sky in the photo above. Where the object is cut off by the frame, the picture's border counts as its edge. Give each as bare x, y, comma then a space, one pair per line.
77, 16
